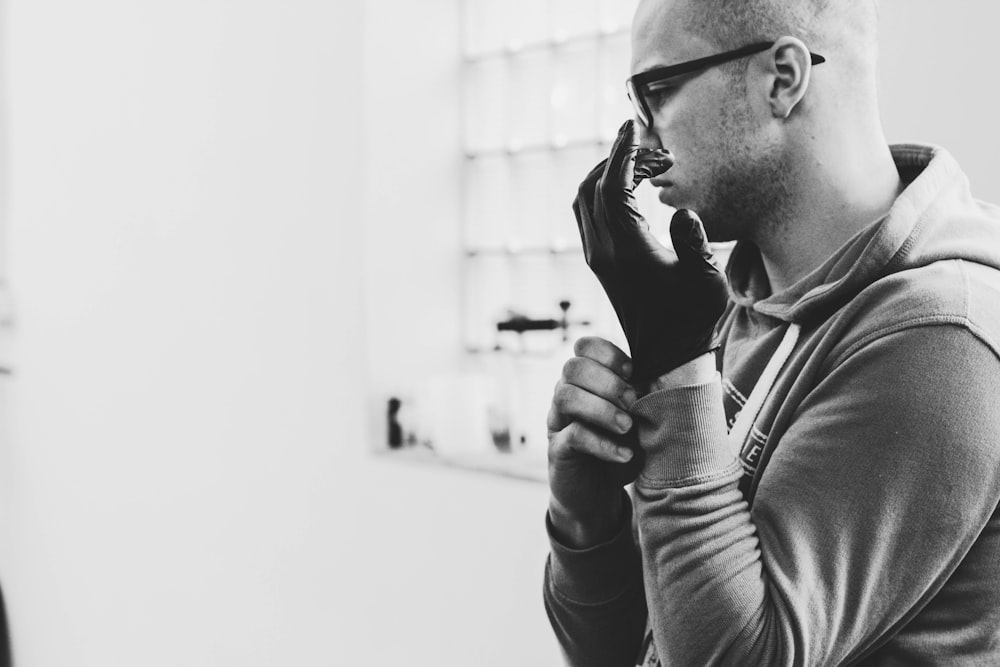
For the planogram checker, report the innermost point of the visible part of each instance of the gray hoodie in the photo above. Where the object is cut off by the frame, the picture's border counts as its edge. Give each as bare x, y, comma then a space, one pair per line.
855, 523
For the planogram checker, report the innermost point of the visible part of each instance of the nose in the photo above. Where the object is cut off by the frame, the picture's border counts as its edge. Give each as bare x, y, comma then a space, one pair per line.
647, 138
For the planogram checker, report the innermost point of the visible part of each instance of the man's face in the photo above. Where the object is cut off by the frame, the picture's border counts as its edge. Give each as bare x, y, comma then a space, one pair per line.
725, 170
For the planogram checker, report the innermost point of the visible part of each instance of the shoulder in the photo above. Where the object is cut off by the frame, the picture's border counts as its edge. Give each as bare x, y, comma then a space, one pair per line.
950, 293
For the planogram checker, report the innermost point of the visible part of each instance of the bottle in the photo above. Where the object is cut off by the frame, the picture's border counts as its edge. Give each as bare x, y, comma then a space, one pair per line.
394, 427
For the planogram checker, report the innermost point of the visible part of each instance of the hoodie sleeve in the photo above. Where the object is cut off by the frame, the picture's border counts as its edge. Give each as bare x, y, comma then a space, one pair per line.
594, 598
876, 491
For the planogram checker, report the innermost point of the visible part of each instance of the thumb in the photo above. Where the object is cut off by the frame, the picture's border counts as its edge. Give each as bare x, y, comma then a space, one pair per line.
689, 238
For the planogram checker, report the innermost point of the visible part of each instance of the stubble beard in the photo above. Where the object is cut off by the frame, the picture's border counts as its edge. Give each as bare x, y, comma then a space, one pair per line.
750, 188
746, 203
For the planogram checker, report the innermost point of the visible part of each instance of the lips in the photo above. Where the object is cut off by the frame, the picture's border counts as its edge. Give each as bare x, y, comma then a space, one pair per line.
666, 195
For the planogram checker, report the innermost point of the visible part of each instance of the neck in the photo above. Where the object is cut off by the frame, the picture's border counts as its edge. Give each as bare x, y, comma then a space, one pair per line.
832, 200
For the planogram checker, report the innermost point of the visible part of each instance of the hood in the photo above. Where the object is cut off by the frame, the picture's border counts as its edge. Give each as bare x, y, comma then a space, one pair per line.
934, 218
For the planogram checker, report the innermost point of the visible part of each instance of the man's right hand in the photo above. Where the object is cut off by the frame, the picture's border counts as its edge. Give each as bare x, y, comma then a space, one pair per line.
593, 451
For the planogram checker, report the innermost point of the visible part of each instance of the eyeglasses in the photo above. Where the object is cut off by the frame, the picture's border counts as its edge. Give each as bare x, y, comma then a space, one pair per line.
636, 85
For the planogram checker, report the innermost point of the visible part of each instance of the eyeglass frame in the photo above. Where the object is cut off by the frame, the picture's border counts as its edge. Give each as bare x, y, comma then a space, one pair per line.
633, 83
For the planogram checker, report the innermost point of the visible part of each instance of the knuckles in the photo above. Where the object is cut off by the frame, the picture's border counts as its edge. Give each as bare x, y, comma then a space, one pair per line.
571, 437
560, 442
586, 344
572, 369
563, 398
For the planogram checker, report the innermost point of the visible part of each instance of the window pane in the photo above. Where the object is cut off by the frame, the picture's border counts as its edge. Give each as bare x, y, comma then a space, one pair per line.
487, 299
528, 101
573, 18
484, 26
615, 108
616, 14
488, 196
485, 91
527, 23
574, 94
531, 179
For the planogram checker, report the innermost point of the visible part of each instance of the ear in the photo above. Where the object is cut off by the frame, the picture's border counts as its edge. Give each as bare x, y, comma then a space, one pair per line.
789, 67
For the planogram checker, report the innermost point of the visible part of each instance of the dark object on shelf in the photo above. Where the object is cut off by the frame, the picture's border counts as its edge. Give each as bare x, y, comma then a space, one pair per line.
6, 658
520, 323
501, 440
395, 429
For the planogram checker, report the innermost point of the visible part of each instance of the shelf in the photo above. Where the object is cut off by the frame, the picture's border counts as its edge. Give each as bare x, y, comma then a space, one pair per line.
514, 466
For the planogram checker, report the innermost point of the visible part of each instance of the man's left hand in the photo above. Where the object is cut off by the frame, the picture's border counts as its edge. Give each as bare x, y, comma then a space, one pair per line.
667, 302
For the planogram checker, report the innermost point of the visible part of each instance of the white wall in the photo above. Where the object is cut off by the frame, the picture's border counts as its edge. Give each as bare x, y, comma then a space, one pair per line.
186, 477
938, 82
412, 193
186, 234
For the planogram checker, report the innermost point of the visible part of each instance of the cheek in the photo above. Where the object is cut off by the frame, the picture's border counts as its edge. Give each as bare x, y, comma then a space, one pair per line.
695, 167
695, 135
680, 131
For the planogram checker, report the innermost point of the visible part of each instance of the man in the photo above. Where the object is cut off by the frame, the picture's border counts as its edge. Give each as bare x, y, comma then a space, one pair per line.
816, 454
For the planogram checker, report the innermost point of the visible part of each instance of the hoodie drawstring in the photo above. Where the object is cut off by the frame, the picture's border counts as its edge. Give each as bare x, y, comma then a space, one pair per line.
748, 415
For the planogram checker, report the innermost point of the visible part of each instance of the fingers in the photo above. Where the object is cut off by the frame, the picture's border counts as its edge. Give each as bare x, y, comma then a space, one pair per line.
602, 404
629, 163
605, 353
593, 236
650, 162
585, 193
605, 207
619, 172
578, 438
594, 391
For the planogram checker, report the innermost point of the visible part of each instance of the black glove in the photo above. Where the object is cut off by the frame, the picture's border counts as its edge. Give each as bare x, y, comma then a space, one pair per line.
667, 302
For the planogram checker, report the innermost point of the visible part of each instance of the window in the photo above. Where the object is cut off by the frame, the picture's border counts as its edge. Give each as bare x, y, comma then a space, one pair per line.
544, 94
543, 85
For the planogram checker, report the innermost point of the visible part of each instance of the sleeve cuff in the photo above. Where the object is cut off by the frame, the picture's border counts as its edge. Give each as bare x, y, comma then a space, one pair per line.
599, 573
683, 435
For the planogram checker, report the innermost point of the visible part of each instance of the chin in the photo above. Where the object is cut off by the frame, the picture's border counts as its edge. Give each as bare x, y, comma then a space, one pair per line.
677, 200
672, 197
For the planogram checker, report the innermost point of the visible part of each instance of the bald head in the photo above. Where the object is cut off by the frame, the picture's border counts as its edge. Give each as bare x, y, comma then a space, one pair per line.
845, 29
823, 24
